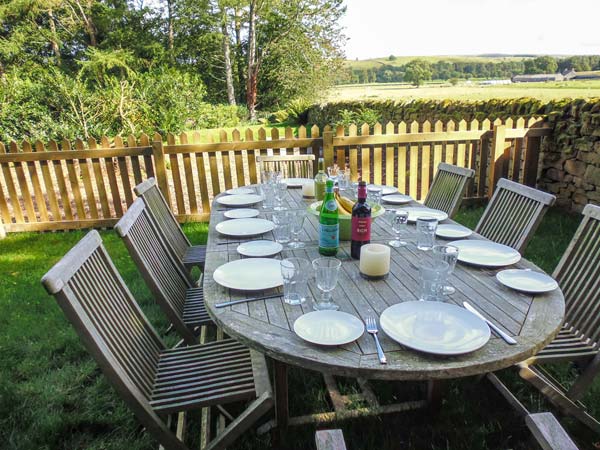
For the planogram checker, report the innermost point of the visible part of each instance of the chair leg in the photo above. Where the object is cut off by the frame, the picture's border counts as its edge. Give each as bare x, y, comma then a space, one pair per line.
557, 397
507, 394
585, 379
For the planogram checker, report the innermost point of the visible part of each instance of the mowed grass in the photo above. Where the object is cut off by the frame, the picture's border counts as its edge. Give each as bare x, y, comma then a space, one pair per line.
53, 396
463, 91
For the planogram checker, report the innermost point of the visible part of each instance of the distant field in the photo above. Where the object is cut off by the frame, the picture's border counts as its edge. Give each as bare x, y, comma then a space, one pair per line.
404, 91
401, 60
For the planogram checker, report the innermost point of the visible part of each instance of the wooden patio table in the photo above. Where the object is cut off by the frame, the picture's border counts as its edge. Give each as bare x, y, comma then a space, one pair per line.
267, 325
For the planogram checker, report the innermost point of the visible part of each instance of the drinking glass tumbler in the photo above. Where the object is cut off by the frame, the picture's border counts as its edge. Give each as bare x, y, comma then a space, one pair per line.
297, 223
374, 195
426, 227
432, 275
449, 254
282, 221
399, 221
295, 273
326, 273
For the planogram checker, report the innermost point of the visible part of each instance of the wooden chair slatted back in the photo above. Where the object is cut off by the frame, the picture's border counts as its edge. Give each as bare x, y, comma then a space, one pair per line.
513, 214
578, 274
291, 166
448, 188
115, 331
163, 216
160, 269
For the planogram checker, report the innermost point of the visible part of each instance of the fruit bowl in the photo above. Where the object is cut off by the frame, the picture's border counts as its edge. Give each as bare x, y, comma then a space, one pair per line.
346, 220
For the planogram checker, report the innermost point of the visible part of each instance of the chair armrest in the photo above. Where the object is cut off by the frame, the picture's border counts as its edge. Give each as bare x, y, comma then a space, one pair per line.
548, 432
330, 440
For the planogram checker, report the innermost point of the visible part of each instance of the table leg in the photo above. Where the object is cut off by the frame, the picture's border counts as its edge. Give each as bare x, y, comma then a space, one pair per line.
435, 393
282, 413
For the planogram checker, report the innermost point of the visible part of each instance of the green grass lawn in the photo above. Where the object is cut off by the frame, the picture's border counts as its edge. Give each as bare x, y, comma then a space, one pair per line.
462, 91
53, 396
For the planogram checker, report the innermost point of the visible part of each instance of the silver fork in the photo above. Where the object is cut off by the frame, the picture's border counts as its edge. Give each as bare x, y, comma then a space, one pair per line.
372, 329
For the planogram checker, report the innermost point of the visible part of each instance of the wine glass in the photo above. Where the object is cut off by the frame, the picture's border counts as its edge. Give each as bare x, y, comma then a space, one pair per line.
297, 223
280, 190
399, 221
333, 172
449, 254
326, 273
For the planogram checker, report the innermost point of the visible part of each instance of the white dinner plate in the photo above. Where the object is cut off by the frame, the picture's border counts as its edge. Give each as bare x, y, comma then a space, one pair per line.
239, 199
239, 191
397, 199
241, 213
253, 274
485, 253
329, 327
259, 248
297, 182
385, 190
244, 227
453, 231
414, 212
527, 281
435, 327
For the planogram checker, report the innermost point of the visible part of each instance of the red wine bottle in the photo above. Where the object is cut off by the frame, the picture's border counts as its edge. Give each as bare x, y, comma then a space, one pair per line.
361, 221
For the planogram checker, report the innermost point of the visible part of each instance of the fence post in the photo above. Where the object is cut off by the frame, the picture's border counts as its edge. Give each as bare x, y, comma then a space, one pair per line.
161, 170
328, 148
532, 156
497, 157
2, 230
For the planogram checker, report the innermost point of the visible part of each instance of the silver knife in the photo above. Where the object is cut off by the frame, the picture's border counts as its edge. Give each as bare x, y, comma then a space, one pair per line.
498, 331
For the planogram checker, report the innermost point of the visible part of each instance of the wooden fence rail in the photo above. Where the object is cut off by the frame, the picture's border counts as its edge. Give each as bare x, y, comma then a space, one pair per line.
90, 184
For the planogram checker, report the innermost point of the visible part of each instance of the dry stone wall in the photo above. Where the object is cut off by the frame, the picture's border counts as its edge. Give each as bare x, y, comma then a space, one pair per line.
570, 159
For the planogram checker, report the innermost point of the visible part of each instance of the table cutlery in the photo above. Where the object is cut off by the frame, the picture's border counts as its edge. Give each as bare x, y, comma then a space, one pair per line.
498, 331
372, 329
246, 300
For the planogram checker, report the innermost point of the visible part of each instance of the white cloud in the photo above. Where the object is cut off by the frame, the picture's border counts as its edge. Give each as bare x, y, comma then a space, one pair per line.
466, 27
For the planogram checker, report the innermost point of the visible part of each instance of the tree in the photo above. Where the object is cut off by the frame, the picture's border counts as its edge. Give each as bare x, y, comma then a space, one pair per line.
417, 71
541, 64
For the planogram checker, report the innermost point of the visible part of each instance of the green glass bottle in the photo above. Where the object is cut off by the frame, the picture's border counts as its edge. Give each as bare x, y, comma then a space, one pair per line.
320, 180
329, 224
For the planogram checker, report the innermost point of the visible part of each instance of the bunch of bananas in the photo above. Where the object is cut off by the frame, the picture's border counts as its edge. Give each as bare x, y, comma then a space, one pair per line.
344, 205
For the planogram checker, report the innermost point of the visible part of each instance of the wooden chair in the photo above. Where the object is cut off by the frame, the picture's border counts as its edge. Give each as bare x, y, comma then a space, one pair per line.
291, 166
189, 255
181, 301
513, 214
153, 380
547, 431
578, 274
448, 187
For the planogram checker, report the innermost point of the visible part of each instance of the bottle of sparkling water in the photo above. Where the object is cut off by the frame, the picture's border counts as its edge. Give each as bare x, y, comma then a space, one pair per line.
329, 224
320, 180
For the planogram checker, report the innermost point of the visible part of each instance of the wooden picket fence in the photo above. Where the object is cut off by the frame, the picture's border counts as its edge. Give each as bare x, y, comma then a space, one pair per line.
90, 184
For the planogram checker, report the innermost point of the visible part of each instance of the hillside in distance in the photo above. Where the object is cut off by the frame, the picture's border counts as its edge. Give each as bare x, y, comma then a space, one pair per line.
401, 60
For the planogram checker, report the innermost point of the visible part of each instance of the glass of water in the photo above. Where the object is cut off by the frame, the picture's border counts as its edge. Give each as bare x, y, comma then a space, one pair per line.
399, 220
280, 189
295, 273
432, 277
374, 195
282, 221
326, 273
426, 227
449, 254
297, 223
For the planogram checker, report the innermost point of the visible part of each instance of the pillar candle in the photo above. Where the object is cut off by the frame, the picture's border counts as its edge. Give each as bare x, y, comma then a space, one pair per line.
374, 260
308, 189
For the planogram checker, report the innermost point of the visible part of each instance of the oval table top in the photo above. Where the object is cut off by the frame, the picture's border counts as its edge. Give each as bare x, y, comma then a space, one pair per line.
266, 325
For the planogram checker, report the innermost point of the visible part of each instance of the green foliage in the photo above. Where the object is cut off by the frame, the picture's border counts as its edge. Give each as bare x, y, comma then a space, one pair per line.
417, 71
432, 110
541, 64
453, 81
358, 117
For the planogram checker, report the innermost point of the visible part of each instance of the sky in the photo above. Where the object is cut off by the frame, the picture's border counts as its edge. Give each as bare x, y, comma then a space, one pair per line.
377, 28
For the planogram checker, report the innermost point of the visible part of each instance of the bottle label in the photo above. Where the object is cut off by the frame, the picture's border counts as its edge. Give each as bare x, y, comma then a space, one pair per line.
329, 236
361, 228
331, 205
